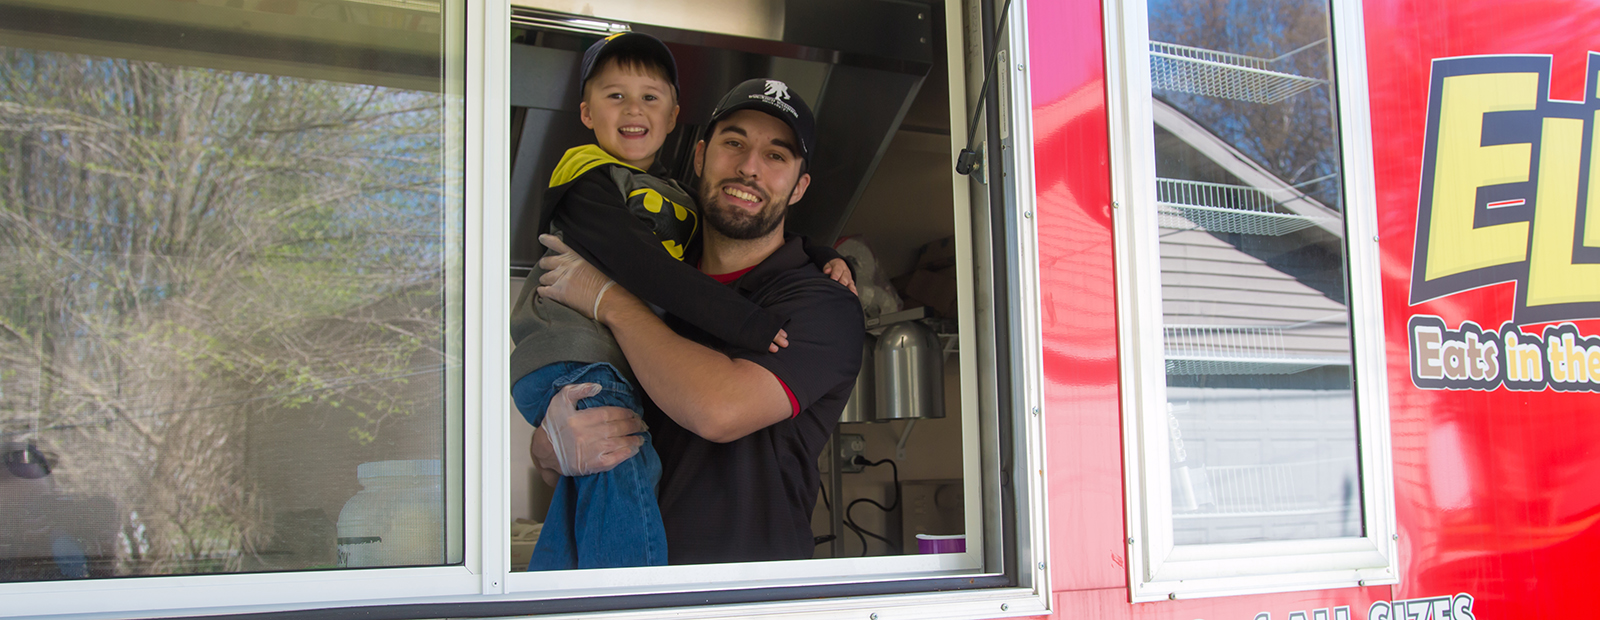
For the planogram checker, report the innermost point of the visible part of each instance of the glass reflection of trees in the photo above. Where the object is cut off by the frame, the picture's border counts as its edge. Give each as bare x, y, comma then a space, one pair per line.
180, 249
1295, 139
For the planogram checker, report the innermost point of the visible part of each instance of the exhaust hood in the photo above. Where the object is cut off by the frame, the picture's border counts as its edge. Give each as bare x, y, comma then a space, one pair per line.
859, 63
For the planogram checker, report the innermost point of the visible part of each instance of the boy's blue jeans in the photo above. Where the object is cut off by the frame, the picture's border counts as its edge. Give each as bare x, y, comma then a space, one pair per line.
603, 520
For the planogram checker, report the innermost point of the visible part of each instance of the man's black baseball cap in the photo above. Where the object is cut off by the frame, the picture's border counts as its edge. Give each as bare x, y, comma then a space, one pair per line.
774, 98
627, 41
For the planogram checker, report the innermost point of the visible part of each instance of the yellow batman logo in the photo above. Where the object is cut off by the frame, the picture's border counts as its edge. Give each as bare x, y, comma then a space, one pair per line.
653, 200
675, 227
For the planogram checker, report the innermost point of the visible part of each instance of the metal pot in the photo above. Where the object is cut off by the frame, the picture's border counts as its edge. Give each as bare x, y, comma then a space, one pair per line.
863, 399
909, 363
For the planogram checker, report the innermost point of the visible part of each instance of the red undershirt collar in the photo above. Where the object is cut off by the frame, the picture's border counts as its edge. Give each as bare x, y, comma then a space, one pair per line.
728, 278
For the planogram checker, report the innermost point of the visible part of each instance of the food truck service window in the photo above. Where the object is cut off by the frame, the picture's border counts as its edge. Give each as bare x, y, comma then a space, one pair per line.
258, 259
914, 465
1253, 373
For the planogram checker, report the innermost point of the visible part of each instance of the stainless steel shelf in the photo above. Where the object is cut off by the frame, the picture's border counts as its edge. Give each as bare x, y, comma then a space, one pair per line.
1279, 489
1222, 74
1216, 207
1236, 350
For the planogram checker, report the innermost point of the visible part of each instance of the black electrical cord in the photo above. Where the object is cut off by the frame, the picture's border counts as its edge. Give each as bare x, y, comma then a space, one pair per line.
817, 540
862, 532
967, 160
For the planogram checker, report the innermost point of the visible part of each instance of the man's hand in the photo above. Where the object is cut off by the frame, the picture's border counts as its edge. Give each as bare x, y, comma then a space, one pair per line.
570, 280
544, 457
573, 442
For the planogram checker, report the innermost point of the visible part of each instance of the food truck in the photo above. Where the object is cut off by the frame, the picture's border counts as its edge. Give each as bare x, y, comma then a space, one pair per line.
1175, 309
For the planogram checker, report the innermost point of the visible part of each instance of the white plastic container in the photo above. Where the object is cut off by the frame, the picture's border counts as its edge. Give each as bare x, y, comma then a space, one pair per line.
398, 517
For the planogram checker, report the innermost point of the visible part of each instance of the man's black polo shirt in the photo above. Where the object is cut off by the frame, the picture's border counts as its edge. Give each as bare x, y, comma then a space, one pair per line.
751, 499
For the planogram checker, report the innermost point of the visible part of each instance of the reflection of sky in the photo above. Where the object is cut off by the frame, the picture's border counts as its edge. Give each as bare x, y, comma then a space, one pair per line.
1296, 139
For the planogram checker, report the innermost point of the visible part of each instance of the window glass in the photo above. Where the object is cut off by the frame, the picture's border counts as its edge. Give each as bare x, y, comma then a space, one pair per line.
881, 183
229, 286
1261, 414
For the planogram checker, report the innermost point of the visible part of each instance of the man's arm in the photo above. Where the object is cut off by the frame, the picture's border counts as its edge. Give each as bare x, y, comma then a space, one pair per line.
716, 397
710, 394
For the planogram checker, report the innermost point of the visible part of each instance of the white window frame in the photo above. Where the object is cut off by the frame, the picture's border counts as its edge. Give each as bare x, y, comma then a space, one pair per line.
485, 577
1029, 598
1159, 569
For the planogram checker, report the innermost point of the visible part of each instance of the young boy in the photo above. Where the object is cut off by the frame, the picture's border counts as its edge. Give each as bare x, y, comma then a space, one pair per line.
637, 228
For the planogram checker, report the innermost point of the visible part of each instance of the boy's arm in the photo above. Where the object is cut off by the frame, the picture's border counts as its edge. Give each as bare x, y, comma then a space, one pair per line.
831, 262
820, 254
595, 222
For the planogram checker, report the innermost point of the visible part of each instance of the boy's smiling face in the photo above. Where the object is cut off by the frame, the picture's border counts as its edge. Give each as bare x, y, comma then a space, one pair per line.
631, 111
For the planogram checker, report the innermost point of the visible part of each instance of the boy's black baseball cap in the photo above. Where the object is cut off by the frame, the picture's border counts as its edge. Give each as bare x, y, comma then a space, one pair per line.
626, 41
774, 98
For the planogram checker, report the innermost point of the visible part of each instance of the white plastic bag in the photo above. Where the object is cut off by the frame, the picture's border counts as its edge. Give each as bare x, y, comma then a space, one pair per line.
878, 296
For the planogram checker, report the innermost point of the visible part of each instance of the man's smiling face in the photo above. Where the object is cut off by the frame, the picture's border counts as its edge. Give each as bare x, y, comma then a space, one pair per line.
750, 172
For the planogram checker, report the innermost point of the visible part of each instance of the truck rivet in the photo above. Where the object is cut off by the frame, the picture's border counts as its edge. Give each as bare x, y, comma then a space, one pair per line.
1035, 411
1005, 607
1130, 540
1020, 67
1397, 537
1116, 205
1041, 566
874, 616
1374, 237
1172, 596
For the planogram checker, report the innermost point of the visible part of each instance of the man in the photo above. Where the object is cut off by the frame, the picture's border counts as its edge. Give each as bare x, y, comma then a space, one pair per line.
739, 432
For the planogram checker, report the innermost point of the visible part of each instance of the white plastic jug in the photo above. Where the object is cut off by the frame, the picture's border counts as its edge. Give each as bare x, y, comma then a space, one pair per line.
398, 517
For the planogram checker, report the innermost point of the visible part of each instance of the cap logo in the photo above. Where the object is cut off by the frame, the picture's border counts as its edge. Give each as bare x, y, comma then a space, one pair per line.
777, 90
774, 95
614, 35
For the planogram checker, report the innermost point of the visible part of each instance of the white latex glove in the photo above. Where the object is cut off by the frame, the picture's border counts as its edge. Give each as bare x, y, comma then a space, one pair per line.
593, 440
570, 280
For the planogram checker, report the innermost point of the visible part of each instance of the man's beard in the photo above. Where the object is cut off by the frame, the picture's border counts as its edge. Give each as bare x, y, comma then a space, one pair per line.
734, 223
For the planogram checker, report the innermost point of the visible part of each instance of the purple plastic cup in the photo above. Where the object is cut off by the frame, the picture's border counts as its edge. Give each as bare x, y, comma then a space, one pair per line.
954, 543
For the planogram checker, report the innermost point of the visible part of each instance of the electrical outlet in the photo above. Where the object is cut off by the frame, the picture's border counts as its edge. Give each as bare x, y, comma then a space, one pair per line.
850, 447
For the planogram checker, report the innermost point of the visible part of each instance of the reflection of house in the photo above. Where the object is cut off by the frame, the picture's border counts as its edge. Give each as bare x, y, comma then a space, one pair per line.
1257, 346
1263, 464
1230, 306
